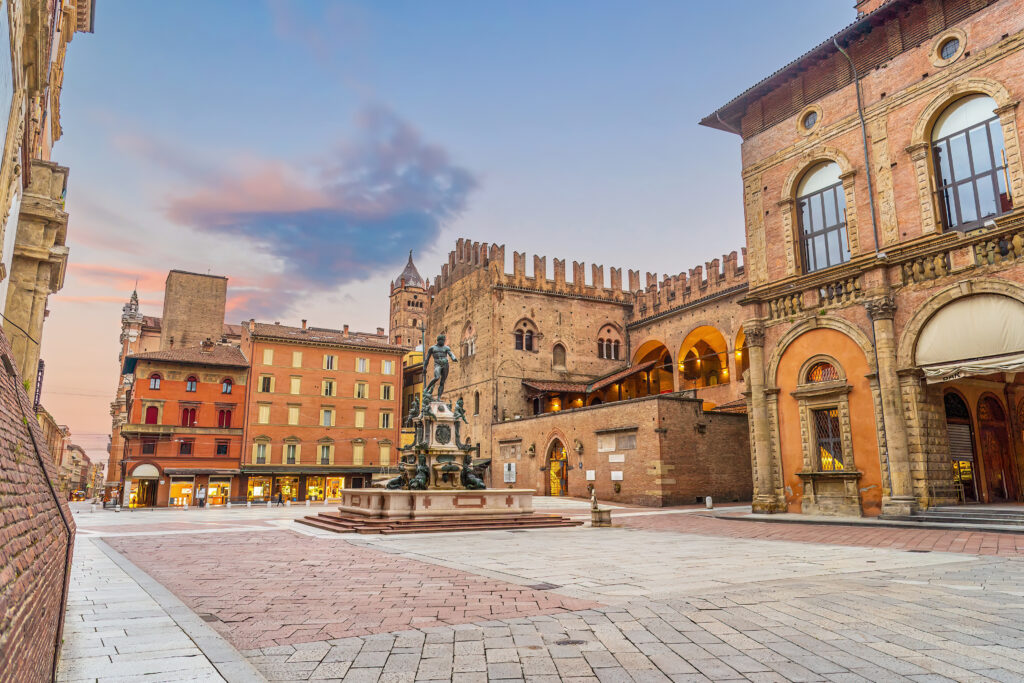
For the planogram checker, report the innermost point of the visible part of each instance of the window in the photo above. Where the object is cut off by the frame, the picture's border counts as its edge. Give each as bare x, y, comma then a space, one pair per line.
152, 415
829, 439
357, 453
296, 359
949, 48
385, 420
225, 386
190, 384
476, 403
185, 447
970, 163
528, 341
266, 384
188, 417
387, 367
601, 353
360, 418
289, 454
293, 415
261, 454
329, 361
222, 448
385, 454
148, 446
362, 390
821, 213
615, 350
268, 356
327, 417
154, 381
810, 118
325, 454
558, 356
823, 372
362, 365
263, 414
295, 385
328, 388
519, 340
387, 392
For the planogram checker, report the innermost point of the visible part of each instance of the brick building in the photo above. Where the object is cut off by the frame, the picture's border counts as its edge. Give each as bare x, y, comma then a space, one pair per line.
883, 188
322, 410
546, 364
183, 426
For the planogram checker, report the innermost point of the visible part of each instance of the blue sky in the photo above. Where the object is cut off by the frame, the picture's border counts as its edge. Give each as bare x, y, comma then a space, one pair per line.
301, 148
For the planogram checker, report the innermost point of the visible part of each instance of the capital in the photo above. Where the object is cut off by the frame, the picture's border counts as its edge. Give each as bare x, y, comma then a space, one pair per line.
753, 334
883, 308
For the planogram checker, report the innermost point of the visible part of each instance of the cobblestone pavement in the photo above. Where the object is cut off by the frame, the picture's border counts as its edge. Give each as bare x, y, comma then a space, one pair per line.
666, 596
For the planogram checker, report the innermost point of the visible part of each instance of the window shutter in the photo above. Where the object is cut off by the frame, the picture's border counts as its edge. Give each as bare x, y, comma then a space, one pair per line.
272, 384
268, 356
961, 447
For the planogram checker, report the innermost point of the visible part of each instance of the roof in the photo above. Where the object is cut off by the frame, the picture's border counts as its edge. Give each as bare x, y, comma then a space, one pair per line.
320, 335
218, 354
156, 322
583, 387
558, 387
718, 118
616, 376
410, 275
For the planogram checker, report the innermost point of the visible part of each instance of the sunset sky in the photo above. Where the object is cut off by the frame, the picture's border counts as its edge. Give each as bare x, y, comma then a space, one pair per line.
302, 148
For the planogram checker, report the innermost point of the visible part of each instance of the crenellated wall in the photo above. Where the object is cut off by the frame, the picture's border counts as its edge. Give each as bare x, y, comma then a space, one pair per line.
676, 290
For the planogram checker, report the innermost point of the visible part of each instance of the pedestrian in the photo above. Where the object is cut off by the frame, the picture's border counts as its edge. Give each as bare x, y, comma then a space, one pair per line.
280, 499
201, 496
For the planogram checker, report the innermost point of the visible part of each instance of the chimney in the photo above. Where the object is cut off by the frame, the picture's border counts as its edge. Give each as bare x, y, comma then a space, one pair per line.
303, 323
207, 345
344, 331
380, 331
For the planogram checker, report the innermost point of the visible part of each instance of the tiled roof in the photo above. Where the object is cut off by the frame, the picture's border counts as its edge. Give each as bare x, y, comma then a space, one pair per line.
583, 387
320, 335
616, 376
156, 322
557, 387
218, 354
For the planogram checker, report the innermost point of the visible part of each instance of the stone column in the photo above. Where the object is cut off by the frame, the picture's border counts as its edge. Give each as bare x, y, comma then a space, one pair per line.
764, 481
900, 500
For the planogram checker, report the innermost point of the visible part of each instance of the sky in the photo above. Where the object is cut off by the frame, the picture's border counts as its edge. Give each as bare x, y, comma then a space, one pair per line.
302, 147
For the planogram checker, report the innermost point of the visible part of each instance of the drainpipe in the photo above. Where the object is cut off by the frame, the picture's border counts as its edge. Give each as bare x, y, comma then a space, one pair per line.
878, 254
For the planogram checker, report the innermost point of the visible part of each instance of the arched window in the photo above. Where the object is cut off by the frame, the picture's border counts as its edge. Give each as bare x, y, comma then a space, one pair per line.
528, 341
615, 350
190, 383
225, 386
519, 340
152, 413
558, 356
822, 372
970, 163
600, 348
188, 417
821, 213
154, 381
224, 418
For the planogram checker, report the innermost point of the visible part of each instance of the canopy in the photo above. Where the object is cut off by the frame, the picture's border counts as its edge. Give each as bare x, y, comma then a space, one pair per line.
976, 335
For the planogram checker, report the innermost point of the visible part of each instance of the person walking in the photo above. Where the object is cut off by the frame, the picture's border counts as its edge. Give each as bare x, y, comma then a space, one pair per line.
280, 499
201, 496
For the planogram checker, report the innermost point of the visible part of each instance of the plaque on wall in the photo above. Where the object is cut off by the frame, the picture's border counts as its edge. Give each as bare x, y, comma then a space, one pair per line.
591, 475
616, 475
616, 457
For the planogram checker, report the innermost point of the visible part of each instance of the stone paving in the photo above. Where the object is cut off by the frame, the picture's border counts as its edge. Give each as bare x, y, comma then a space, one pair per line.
667, 595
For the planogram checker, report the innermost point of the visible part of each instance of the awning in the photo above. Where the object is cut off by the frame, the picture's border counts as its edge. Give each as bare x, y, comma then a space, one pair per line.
976, 335
948, 372
198, 470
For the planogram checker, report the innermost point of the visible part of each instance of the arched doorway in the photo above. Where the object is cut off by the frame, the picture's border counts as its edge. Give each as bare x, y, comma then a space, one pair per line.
141, 488
704, 359
961, 445
558, 470
996, 462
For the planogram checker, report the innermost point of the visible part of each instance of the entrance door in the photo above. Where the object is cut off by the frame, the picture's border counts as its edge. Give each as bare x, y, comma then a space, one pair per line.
996, 458
143, 493
558, 471
961, 447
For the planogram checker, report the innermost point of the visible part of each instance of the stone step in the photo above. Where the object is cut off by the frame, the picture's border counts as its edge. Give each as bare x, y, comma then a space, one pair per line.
341, 523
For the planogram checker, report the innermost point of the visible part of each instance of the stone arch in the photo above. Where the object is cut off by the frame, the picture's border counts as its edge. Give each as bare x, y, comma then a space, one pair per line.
647, 347
820, 358
908, 339
556, 437
146, 469
787, 202
703, 357
953, 92
837, 324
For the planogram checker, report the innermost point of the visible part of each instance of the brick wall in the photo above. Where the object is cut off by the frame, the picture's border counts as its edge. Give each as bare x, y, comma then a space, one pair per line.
193, 309
35, 544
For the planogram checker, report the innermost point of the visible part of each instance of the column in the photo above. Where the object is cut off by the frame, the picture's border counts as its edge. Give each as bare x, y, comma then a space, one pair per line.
900, 500
764, 480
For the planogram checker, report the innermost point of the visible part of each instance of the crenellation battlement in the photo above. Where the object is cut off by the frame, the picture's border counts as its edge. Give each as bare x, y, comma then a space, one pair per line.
698, 282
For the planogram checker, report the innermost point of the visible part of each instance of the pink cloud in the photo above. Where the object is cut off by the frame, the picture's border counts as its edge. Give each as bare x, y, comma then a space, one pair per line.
124, 279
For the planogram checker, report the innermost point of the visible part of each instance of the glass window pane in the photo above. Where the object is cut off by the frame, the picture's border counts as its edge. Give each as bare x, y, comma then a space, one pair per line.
968, 210
844, 243
958, 154
995, 129
980, 151
820, 251
817, 217
831, 214
942, 163
987, 205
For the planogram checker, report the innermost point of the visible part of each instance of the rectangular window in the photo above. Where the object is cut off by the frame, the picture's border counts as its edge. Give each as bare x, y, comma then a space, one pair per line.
296, 359
268, 356
289, 454
325, 454
385, 454
222, 448
360, 418
185, 448
329, 361
357, 454
293, 415
829, 439
261, 454
362, 365
385, 420
263, 414
362, 390
387, 392
148, 447
387, 367
295, 386
329, 388
266, 384
327, 417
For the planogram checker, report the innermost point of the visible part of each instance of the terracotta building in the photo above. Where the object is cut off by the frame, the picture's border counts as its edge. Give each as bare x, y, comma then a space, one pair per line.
183, 431
571, 383
323, 410
884, 195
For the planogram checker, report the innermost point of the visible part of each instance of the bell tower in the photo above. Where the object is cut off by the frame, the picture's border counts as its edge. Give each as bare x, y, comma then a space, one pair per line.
409, 306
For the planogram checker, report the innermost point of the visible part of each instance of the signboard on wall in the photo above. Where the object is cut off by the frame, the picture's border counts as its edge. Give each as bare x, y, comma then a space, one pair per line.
591, 475
616, 457
616, 475
509, 472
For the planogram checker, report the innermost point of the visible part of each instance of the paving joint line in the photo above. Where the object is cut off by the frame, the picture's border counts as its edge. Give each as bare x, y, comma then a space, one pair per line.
223, 656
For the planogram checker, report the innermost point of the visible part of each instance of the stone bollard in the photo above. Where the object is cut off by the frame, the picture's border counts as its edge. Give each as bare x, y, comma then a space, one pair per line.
185, 506
287, 503
268, 504
248, 503
92, 508
708, 503
229, 505
307, 502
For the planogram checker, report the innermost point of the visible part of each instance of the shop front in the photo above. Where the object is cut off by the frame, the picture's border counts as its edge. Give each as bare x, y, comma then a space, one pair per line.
259, 489
182, 491
333, 487
302, 483
287, 487
140, 488
314, 488
219, 491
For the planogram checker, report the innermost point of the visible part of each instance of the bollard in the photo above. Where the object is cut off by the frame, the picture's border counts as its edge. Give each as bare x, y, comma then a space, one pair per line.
248, 503
287, 503
268, 504
708, 503
185, 506
229, 505
92, 508
307, 502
